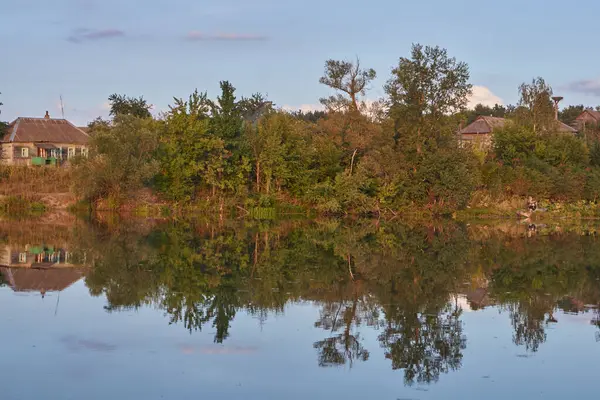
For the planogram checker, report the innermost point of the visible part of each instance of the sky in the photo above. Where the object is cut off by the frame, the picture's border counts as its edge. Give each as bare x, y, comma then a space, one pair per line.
85, 50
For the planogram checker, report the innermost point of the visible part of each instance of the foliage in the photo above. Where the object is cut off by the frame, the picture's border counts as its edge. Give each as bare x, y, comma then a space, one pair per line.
569, 113
122, 160
191, 157
400, 153
497, 110
349, 78
121, 105
536, 109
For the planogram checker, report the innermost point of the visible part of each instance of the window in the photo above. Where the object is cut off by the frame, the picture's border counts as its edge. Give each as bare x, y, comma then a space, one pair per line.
84, 152
71, 152
25, 152
22, 258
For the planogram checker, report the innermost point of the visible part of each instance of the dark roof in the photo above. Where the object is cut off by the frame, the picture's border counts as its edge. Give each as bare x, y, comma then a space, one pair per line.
44, 130
483, 125
41, 279
564, 128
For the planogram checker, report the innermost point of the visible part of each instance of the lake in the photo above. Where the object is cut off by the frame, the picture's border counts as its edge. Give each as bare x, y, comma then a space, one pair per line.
146, 309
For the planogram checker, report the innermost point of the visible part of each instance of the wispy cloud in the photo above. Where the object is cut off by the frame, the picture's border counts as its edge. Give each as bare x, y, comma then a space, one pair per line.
87, 35
585, 86
201, 36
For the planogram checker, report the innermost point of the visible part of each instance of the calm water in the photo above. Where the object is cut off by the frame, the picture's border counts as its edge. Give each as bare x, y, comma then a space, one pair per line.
296, 310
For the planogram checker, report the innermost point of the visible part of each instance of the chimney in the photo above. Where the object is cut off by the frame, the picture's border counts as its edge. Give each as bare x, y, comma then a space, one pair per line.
47, 116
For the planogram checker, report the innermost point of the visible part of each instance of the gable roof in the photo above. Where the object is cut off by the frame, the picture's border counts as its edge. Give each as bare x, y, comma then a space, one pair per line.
593, 113
564, 128
41, 279
483, 125
44, 130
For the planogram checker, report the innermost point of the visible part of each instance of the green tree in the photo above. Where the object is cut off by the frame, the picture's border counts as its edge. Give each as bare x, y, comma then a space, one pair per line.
123, 105
426, 93
191, 157
277, 147
226, 123
535, 106
497, 110
122, 160
570, 113
427, 87
349, 78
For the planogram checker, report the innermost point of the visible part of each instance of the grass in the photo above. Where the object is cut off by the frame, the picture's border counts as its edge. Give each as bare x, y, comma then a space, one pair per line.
28, 181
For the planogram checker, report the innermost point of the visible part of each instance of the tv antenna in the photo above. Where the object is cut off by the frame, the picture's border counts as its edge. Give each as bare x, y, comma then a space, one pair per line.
62, 108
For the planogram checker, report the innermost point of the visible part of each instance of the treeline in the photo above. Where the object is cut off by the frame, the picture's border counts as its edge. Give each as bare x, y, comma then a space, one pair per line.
400, 153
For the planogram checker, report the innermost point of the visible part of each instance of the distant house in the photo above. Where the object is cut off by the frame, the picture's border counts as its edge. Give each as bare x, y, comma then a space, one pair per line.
42, 141
480, 131
587, 117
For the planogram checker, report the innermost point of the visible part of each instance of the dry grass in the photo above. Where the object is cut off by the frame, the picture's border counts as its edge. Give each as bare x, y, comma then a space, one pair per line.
28, 181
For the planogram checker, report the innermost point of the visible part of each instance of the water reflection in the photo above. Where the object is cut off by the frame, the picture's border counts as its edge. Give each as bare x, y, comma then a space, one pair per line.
31, 264
411, 284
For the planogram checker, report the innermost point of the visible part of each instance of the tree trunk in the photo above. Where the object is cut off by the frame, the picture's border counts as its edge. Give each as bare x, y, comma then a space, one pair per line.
268, 184
258, 176
354, 102
352, 161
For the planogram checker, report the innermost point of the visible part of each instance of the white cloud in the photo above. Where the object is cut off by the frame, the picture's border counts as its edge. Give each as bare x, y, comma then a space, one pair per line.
483, 95
304, 107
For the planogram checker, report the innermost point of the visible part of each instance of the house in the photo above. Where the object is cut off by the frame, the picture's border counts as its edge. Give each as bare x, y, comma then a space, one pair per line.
480, 131
588, 117
42, 141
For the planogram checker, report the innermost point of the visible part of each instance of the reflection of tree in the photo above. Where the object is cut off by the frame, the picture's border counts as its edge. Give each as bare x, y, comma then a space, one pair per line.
344, 347
394, 277
424, 345
528, 325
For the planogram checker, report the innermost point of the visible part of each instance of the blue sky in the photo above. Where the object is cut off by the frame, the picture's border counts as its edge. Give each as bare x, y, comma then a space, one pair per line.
88, 49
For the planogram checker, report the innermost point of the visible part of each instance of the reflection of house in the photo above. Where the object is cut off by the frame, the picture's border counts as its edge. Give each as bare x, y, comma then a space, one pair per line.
37, 257
42, 141
39, 268
41, 280
481, 130
478, 299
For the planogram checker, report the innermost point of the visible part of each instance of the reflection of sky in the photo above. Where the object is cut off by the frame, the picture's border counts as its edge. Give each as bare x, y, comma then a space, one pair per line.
85, 352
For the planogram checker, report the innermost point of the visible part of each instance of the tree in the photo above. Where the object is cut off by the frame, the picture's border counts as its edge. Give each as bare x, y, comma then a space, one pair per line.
349, 78
226, 123
497, 110
536, 107
122, 160
428, 86
123, 105
190, 156
426, 93
569, 113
